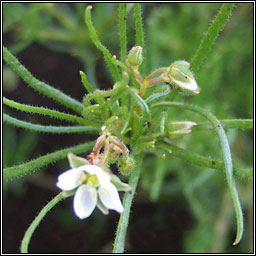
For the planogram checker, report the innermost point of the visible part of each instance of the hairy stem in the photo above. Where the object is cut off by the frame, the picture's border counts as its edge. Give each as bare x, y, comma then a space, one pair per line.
49, 128
47, 112
217, 25
27, 237
119, 243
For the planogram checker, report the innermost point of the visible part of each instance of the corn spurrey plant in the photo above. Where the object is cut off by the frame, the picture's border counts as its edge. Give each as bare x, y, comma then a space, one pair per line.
130, 119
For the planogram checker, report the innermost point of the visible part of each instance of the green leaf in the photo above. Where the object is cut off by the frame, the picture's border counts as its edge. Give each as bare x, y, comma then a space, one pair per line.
49, 128
99, 45
47, 112
217, 25
122, 31
26, 239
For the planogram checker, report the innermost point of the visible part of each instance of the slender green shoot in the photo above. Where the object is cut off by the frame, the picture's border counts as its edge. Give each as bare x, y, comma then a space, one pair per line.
122, 31
199, 160
16, 171
47, 112
119, 243
217, 25
138, 25
85, 82
139, 31
231, 123
99, 45
226, 157
40, 86
26, 239
49, 128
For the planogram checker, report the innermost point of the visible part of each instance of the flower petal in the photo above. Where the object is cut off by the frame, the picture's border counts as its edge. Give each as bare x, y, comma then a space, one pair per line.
191, 85
69, 179
84, 201
110, 197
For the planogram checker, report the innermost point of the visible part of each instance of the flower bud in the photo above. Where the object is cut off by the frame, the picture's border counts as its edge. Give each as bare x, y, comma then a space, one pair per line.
125, 164
179, 75
135, 56
179, 129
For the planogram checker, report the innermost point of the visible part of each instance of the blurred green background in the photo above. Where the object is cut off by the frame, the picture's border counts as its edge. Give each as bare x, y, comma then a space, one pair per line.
193, 212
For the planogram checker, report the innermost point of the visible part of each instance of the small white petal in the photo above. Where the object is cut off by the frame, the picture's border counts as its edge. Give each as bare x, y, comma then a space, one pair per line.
85, 201
110, 198
69, 180
191, 85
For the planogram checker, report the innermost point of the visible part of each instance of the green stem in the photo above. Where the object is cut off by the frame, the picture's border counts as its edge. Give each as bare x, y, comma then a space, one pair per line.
232, 123
138, 25
217, 25
139, 30
48, 112
226, 157
99, 45
197, 159
48, 128
127, 202
26, 239
34, 165
122, 31
40, 86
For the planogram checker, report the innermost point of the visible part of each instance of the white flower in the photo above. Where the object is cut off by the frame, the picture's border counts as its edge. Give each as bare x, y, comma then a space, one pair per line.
94, 188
